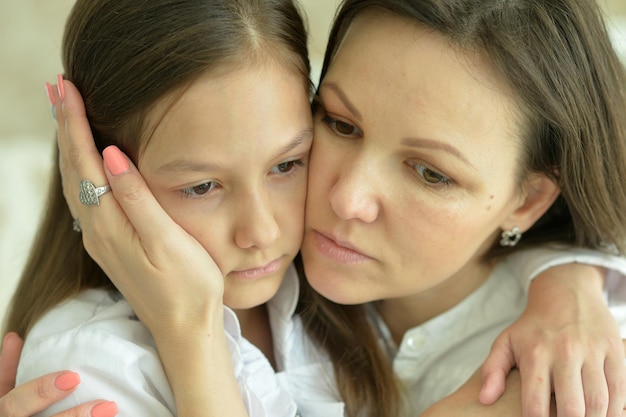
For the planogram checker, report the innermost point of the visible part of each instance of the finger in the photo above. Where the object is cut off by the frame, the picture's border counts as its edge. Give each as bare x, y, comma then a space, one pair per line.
134, 196
568, 389
11, 349
37, 395
596, 392
536, 384
79, 156
497, 366
615, 371
93, 408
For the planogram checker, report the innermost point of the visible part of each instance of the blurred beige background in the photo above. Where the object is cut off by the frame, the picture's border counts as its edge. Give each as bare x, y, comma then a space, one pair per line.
30, 37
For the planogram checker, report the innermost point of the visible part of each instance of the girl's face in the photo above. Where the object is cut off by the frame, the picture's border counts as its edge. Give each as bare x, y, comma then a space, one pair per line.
228, 161
413, 167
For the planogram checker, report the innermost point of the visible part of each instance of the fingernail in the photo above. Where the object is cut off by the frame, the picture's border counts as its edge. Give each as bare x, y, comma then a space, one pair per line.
61, 86
67, 381
50, 94
115, 160
6, 337
107, 409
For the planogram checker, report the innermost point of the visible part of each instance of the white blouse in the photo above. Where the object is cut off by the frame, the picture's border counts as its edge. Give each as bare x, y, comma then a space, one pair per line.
439, 356
97, 335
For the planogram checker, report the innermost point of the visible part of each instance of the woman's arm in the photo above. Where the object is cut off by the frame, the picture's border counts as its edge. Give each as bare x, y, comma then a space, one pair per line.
180, 302
566, 342
35, 396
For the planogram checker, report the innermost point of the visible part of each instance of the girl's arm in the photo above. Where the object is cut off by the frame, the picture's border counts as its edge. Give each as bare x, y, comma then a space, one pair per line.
180, 302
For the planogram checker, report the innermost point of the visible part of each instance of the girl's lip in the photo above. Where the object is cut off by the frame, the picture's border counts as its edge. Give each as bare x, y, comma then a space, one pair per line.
338, 250
258, 272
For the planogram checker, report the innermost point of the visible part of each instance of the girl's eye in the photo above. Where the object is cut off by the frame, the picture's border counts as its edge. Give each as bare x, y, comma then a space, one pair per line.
287, 167
200, 189
430, 176
340, 127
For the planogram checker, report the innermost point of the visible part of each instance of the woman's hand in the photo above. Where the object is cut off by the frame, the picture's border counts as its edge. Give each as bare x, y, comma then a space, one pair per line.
167, 276
565, 342
35, 396
169, 279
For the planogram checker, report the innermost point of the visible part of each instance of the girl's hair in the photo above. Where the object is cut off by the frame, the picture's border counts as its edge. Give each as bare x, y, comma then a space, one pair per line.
569, 85
124, 56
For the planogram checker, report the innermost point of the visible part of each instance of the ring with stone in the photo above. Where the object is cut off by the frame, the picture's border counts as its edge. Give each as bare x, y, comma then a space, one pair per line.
90, 194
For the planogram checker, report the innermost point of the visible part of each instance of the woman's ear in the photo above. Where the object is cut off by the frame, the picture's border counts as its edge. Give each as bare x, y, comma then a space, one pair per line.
540, 192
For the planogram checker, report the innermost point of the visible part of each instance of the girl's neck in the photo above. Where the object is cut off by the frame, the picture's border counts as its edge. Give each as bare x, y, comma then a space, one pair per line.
255, 326
402, 314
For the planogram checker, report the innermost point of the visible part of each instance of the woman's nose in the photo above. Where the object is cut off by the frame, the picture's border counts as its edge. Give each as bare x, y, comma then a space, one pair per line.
354, 193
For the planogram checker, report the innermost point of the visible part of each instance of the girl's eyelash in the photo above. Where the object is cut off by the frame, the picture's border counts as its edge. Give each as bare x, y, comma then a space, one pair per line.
288, 167
199, 191
206, 188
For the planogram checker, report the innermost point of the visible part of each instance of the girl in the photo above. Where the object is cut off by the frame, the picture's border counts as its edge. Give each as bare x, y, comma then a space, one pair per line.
378, 163
211, 100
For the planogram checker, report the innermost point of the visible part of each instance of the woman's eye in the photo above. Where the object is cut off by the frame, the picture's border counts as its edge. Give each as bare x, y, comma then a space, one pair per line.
286, 167
200, 189
340, 127
430, 176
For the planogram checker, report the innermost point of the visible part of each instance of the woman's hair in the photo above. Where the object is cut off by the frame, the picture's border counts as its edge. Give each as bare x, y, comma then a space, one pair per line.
124, 56
569, 86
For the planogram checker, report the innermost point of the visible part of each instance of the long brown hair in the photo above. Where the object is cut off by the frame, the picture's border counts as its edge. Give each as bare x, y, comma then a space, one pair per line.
123, 56
569, 83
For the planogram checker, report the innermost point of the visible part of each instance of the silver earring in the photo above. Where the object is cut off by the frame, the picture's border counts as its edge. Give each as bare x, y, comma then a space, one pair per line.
511, 237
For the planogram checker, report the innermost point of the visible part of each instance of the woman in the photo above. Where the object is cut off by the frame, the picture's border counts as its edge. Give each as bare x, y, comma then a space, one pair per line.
446, 148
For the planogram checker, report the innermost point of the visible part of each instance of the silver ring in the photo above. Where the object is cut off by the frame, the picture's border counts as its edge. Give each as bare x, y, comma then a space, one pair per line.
76, 225
90, 194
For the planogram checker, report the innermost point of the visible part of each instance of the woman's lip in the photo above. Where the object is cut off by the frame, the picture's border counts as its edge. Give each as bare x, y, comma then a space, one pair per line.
259, 272
341, 252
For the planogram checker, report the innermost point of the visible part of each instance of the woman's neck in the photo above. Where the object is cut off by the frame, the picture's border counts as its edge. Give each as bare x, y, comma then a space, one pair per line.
402, 314
255, 326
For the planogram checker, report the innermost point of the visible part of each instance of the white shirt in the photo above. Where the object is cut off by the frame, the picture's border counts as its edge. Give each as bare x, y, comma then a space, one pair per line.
97, 335
437, 357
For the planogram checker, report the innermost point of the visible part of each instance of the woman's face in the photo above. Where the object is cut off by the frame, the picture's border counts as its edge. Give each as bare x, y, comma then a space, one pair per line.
228, 161
413, 167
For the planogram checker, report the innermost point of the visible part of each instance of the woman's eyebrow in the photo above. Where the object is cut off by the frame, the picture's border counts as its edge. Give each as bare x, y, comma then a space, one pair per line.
435, 144
343, 97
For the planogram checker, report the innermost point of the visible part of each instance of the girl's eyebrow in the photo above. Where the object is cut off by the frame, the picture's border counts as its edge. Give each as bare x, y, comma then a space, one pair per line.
189, 165
344, 99
304, 136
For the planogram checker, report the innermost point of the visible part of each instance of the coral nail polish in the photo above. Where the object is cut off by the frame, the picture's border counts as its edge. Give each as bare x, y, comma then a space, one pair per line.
108, 409
50, 94
61, 87
67, 381
115, 160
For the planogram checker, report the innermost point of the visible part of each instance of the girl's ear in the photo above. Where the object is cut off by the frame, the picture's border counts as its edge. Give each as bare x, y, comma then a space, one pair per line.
539, 194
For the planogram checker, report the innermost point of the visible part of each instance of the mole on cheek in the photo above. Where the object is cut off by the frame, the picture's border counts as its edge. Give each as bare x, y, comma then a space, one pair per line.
489, 206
